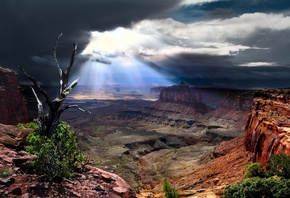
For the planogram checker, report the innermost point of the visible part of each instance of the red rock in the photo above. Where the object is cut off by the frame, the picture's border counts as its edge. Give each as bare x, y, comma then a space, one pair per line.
13, 105
268, 125
207, 99
21, 184
13, 136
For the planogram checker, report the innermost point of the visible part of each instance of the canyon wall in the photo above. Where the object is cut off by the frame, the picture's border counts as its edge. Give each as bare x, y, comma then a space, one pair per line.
215, 111
268, 126
13, 105
208, 98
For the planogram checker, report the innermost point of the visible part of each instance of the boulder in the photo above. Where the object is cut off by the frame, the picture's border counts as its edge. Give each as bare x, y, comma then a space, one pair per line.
12, 136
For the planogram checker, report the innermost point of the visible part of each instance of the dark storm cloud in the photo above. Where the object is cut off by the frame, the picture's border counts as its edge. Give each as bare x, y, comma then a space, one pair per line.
276, 44
219, 71
229, 8
261, 26
29, 28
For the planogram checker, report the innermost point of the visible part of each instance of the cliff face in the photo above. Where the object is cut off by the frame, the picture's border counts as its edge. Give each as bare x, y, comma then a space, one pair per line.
214, 112
268, 126
13, 106
209, 98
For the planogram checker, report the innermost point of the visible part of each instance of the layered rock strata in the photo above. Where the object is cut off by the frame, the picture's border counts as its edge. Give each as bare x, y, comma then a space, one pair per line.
13, 105
268, 126
219, 112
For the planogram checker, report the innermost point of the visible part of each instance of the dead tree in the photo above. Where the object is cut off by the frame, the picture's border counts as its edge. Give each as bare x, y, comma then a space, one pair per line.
47, 124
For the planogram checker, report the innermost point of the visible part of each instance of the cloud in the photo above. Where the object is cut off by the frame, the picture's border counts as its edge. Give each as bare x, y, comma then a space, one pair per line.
202, 10
211, 49
189, 2
257, 64
207, 42
29, 28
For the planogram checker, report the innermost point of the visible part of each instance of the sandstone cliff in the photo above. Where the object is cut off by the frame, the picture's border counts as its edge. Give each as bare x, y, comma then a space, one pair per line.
219, 112
268, 126
13, 106
209, 98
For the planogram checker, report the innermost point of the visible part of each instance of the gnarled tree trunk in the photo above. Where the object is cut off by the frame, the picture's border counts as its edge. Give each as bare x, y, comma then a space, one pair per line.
47, 124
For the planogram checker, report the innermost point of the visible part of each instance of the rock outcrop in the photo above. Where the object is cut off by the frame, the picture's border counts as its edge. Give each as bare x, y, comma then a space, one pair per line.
222, 113
12, 136
16, 180
13, 106
208, 99
268, 126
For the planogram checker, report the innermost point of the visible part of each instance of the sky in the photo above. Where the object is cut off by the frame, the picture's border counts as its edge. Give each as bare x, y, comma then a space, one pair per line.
212, 43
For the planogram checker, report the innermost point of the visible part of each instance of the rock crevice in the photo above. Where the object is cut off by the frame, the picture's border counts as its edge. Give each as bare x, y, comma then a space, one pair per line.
267, 129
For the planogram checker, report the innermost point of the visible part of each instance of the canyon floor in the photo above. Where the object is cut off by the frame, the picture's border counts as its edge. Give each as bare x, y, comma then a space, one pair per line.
118, 136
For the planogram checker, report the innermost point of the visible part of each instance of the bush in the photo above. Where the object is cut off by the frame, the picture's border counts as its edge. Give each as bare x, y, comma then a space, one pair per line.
274, 182
168, 190
58, 156
6, 172
259, 188
279, 165
255, 170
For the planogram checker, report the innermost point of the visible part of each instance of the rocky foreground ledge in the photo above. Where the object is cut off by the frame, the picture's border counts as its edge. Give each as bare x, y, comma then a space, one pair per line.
16, 182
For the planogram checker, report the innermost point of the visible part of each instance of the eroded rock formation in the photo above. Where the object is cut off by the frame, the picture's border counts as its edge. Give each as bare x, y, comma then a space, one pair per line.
17, 181
221, 112
268, 126
209, 98
13, 106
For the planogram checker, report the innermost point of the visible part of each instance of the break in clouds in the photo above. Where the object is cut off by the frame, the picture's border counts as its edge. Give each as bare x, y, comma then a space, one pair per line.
223, 43
29, 28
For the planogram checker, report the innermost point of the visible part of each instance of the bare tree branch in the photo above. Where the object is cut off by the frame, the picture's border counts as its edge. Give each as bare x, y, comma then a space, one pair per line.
66, 73
56, 107
38, 87
75, 106
66, 91
72, 58
60, 71
40, 117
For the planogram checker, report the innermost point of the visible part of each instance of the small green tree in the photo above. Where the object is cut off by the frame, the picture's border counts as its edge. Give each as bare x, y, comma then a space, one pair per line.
58, 156
168, 190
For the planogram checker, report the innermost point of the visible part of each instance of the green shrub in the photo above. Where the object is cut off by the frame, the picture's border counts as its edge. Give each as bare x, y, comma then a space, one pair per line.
33, 125
274, 182
6, 172
169, 191
279, 165
58, 156
259, 188
255, 170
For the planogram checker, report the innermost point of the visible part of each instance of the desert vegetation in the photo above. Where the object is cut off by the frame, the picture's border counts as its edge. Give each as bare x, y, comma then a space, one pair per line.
272, 182
58, 156
53, 141
168, 190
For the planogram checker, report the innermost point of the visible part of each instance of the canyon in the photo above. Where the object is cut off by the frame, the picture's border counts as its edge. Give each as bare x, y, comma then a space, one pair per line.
145, 141
200, 139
